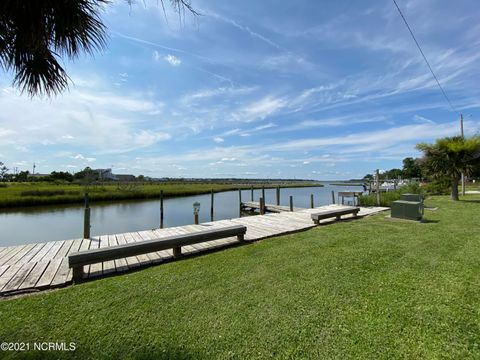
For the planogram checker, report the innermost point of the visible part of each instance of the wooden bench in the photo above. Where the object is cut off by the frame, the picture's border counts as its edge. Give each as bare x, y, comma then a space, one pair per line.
79, 259
336, 213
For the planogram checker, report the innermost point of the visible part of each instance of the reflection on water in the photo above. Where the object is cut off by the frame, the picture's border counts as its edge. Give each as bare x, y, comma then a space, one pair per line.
58, 222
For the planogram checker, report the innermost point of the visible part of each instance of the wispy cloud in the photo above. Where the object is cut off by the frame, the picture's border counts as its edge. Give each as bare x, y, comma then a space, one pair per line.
259, 110
243, 28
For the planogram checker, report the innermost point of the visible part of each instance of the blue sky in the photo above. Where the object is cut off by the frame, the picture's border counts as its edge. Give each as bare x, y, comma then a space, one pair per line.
304, 89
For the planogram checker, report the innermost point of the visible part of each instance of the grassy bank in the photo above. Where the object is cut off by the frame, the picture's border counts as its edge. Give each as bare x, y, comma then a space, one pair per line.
37, 193
366, 289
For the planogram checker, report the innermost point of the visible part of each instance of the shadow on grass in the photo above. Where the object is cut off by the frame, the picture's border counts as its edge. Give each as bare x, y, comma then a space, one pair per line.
470, 201
429, 221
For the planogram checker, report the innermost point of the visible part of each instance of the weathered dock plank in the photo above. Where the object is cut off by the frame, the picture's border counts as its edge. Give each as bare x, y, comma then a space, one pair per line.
132, 261
120, 264
95, 269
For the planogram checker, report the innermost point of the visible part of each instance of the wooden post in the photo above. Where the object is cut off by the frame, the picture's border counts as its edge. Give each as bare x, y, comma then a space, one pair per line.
161, 209
177, 251
312, 204
77, 274
263, 193
211, 207
278, 195
252, 193
240, 202
377, 186
291, 203
333, 197
262, 206
195, 218
86, 218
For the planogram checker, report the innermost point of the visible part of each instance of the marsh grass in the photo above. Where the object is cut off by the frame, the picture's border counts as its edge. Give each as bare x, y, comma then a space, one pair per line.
38, 193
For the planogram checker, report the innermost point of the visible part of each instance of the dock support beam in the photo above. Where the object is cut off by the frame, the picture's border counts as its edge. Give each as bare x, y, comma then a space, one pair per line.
86, 218
291, 203
77, 274
278, 195
177, 252
161, 209
251, 193
240, 202
312, 203
262, 206
211, 207
333, 197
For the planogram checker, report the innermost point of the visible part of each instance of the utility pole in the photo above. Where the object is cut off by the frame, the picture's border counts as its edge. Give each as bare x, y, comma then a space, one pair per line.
463, 175
33, 169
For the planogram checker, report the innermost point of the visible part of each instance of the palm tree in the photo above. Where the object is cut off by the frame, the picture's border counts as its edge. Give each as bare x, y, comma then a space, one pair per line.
450, 157
35, 34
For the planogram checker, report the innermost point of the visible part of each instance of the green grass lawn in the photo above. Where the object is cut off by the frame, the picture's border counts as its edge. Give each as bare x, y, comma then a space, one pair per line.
42, 193
365, 289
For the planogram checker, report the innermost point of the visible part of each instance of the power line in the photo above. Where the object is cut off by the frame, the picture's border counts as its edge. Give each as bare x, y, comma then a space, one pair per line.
424, 57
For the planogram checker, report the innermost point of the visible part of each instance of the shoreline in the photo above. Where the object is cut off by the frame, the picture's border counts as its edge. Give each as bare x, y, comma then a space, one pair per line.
115, 195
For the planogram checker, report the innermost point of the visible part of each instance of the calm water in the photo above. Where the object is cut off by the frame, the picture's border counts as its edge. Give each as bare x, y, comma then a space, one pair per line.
44, 224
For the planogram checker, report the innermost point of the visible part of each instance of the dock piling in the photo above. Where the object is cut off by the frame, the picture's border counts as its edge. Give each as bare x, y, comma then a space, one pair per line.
86, 218
278, 195
263, 193
240, 202
333, 197
251, 193
161, 209
211, 207
262, 206
291, 203
312, 203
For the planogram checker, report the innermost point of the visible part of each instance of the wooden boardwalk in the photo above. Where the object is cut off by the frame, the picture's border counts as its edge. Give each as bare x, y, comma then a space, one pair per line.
34, 267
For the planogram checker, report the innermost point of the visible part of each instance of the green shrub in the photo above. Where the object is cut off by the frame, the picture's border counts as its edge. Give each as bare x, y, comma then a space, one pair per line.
438, 187
386, 198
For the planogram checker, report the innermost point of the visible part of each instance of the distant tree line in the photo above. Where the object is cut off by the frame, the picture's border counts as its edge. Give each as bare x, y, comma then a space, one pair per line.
410, 170
86, 175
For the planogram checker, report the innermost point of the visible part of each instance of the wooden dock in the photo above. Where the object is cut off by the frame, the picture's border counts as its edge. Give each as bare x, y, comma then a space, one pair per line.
35, 267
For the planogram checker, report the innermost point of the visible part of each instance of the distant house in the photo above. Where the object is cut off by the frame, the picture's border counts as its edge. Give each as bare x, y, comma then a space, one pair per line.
104, 174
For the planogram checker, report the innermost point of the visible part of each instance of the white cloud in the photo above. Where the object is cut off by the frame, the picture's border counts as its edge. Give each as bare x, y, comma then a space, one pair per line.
218, 139
172, 60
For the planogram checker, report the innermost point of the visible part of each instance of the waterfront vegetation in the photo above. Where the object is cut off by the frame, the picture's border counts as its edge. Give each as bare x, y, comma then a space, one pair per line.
387, 197
366, 289
43, 193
